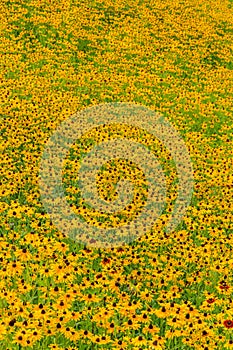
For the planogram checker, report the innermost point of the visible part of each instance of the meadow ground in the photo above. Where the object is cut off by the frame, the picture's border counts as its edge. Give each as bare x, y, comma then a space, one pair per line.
161, 291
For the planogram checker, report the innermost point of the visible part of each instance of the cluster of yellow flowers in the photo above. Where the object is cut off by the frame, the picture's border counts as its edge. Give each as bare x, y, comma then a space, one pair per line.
162, 291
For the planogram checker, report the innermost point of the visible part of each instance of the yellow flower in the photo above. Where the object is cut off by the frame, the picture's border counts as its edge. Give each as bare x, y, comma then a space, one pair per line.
3, 331
139, 341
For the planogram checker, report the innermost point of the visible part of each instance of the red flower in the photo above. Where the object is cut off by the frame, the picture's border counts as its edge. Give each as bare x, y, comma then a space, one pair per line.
211, 300
106, 261
228, 324
224, 287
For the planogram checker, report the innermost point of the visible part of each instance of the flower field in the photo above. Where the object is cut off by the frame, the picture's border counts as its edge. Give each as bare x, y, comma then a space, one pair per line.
171, 291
